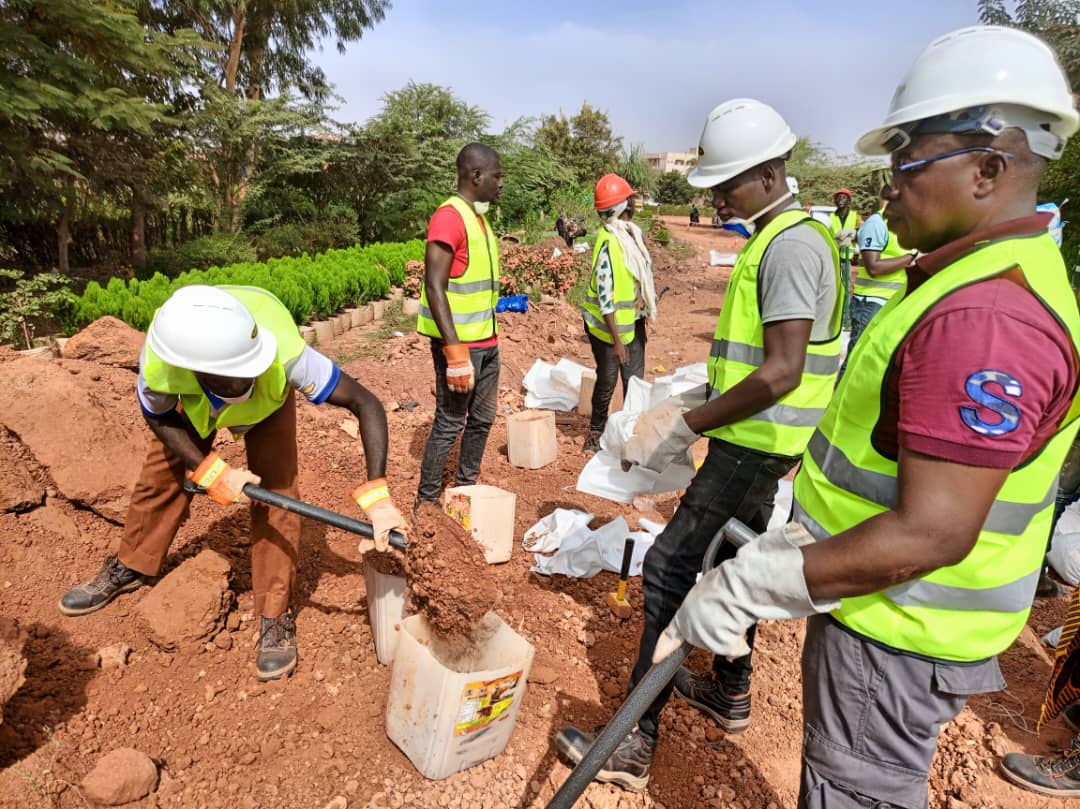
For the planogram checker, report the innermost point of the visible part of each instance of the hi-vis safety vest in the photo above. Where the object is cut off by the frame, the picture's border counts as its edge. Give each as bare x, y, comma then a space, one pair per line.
472, 296
625, 296
836, 224
738, 348
271, 386
883, 286
976, 608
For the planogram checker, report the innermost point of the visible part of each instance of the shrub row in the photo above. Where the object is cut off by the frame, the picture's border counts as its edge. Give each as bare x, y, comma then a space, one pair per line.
310, 287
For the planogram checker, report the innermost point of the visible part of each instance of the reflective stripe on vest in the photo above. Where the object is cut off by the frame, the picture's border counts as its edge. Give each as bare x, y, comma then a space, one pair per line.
623, 292
738, 348
271, 389
472, 295
974, 609
884, 286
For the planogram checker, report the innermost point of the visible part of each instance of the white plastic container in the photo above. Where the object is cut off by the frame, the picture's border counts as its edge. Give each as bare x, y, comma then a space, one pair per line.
449, 713
386, 610
487, 512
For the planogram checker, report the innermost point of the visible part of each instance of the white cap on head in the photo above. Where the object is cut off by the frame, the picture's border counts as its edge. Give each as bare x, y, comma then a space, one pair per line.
981, 79
738, 135
205, 329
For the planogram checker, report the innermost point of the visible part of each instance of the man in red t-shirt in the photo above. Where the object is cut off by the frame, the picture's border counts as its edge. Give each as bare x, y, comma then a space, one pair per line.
927, 489
457, 311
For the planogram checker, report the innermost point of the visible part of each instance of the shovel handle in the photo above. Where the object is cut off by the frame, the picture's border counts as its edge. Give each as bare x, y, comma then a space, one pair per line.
627, 555
643, 695
313, 512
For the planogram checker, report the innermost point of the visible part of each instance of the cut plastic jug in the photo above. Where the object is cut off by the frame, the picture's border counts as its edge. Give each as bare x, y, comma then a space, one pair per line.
449, 711
487, 512
386, 610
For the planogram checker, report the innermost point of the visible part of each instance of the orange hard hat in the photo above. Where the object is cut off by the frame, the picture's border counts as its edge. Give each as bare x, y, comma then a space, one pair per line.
843, 191
611, 189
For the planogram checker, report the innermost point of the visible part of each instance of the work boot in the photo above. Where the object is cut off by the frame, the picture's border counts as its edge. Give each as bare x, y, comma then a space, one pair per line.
627, 767
1048, 587
592, 442
277, 647
113, 579
729, 707
1057, 775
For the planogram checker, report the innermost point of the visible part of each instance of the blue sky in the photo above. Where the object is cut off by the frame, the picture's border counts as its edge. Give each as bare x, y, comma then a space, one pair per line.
656, 68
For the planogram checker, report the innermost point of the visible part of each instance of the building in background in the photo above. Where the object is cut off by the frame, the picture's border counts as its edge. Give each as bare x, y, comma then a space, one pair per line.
672, 161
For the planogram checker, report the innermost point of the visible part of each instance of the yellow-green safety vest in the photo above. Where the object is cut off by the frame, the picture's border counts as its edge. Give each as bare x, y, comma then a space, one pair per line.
625, 295
271, 386
974, 609
472, 296
884, 286
738, 348
849, 223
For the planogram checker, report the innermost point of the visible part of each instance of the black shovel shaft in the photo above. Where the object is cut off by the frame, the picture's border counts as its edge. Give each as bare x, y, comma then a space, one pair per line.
643, 695
627, 556
313, 512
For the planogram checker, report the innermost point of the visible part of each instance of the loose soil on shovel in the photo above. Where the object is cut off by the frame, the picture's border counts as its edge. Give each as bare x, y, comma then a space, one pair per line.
224, 741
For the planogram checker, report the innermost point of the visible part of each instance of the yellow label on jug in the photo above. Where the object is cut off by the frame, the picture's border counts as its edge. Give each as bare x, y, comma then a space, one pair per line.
459, 507
484, 702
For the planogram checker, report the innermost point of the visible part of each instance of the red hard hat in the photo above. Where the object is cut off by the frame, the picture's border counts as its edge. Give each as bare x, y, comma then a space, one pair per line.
843, 191
611, 189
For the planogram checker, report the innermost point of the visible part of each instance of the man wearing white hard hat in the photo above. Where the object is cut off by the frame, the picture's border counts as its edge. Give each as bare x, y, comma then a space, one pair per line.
231, 356
925, 495
772, 366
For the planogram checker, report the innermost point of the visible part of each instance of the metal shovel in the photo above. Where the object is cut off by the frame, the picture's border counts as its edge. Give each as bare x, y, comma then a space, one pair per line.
647, 689
313, 512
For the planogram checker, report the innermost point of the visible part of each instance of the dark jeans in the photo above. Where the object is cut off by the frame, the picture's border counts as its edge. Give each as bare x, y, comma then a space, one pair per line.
608, 371
469, 415
862, 312
732, 482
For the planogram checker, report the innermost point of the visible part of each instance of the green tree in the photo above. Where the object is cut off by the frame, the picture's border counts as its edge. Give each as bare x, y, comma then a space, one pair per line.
673, 189
635, 169
585, 143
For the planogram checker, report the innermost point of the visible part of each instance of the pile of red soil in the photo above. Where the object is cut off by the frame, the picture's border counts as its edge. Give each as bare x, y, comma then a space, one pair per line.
447, 574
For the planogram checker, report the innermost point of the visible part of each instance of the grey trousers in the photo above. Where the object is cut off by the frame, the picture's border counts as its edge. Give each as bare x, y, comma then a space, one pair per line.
871, 718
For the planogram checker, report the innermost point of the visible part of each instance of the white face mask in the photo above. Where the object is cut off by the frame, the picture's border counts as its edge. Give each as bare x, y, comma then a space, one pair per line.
237, 399
481, 208
748, 222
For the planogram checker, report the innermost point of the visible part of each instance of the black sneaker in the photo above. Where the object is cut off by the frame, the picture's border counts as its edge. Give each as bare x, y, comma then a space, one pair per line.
627, 767
1048, 587
731, 711
592, 442
113, 579
1057, 775
277, 647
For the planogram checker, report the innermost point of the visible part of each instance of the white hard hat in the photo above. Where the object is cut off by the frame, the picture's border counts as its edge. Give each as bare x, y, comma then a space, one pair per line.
981, 79
738, 135
203, 328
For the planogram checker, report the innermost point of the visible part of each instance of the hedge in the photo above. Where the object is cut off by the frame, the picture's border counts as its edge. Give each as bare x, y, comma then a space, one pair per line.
310, 287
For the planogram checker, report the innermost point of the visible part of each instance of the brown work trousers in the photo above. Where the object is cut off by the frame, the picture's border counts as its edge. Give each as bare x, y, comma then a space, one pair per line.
159, 506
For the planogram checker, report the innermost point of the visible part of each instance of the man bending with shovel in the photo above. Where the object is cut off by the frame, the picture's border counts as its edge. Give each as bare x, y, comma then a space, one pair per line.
230, 356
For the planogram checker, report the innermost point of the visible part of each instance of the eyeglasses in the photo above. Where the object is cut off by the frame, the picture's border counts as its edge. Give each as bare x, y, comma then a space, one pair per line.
914, 164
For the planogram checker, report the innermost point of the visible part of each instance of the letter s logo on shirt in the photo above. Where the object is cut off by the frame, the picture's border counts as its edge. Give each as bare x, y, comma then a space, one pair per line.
976, 388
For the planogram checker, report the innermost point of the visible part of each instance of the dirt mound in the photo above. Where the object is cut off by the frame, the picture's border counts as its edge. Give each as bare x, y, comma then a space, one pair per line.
189, 605
18, 489
12, 662
448, 574
107, 341
73, 419
122, 776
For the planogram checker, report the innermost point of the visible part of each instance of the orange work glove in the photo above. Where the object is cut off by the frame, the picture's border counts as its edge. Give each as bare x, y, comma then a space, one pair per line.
374, 498
224, 484
459, 368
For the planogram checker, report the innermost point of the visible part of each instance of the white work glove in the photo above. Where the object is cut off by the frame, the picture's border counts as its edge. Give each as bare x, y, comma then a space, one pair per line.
695, 397
845, 238
660, 437
374, 498
764, 582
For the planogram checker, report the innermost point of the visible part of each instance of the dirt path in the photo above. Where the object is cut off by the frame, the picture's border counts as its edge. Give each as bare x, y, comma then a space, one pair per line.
223, 740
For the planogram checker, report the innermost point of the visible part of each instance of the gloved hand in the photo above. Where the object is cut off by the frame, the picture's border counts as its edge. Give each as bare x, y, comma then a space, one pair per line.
374, 498
459, 368
222, 483
660, 437
845, 238
764, 582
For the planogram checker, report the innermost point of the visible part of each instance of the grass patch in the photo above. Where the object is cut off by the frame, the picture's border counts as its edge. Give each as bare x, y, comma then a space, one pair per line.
679, 249
394, 319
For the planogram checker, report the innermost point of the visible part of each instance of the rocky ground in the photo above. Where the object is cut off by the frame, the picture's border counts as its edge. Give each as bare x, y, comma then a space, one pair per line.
153, 700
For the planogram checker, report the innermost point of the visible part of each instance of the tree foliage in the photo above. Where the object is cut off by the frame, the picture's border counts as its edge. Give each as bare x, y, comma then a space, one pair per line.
673, 189
584, 143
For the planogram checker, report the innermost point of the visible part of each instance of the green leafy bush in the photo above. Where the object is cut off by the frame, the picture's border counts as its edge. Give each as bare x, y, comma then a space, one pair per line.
206, 251
27, 300
294, 239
